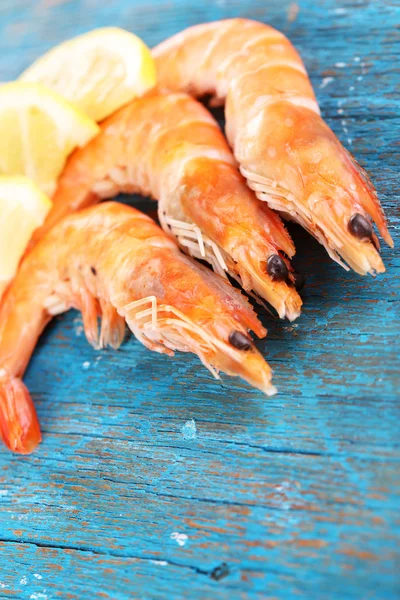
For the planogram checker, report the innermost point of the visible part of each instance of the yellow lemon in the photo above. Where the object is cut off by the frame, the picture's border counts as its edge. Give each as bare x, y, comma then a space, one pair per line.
98, 71
38, 130
23, 208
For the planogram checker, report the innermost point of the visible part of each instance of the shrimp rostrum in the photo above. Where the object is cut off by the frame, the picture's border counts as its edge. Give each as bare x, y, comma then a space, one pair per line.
171, 148
287, 153
113, 262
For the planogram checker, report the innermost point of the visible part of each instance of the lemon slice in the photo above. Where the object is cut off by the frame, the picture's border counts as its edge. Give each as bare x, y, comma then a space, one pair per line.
23, 208
38, 130
99, 71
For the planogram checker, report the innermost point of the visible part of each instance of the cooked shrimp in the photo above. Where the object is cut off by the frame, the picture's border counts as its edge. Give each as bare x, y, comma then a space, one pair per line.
170, 147
114, 262
287, 153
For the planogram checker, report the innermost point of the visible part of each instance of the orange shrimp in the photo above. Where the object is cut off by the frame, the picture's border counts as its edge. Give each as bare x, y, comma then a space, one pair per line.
114, 262
287, 153
170, 147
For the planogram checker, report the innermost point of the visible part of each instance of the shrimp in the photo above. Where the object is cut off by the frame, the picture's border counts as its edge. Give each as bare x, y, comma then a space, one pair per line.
287, 153
114, 262
171, 148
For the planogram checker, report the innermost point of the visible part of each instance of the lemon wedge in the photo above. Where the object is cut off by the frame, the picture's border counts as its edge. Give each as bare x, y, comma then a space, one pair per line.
23, 208
38, 130
98, 71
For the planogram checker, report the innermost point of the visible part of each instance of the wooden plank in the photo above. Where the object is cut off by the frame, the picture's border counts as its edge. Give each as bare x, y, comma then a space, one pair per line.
282, 497
76, 574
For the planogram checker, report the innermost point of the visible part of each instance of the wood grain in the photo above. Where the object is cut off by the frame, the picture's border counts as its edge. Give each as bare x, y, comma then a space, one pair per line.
284, 497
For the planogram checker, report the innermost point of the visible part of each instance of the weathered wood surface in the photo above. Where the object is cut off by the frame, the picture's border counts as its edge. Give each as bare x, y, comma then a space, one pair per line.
293, 496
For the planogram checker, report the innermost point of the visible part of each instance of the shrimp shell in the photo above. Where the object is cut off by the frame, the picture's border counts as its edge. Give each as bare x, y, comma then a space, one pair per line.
171, 148
113, 262
289, 156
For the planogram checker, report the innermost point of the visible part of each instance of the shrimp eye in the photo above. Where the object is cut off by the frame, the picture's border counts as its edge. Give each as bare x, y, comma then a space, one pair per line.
277, 269
360, 226
239, 340
299, 280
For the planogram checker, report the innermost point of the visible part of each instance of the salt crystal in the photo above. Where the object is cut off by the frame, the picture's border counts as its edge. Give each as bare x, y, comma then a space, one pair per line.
78, 326
189, 430
326, 81
181, 538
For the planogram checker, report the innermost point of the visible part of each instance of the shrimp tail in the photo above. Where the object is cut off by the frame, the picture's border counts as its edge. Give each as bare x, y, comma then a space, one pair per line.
19, 425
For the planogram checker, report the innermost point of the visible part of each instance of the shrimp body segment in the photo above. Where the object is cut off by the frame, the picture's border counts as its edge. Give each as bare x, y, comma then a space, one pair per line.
287, 153
113, 262
171, 148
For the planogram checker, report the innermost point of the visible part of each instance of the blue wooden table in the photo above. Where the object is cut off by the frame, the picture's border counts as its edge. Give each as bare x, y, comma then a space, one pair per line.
155, 482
